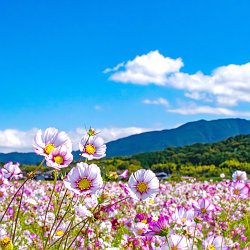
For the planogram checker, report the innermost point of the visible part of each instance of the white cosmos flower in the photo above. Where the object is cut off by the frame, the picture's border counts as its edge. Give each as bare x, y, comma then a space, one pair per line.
143, 184
50, 140
239, 176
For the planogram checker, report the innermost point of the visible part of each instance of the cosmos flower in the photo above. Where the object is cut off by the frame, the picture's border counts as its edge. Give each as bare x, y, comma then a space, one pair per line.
124, 174
82, 211
143, 184
203, 207
84, 179
184, 217
222, 175
50, 140
215, 242
3, 194
3, 180
11, 171
94, 148
160, 227
177, 242
59, 158
239, 189
239, 176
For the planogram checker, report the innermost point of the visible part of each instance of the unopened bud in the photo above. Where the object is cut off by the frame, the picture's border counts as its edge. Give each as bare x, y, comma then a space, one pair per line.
91, 132
198, 219
31, 175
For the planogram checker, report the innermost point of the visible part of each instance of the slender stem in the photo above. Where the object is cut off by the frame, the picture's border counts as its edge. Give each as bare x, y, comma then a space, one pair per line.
55, 176
56, 217
72, 220
194, 235
13, 199
168, 243
13, 237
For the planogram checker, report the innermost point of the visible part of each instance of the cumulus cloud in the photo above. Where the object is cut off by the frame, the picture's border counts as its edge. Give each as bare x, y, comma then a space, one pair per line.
12, 140
225, 86
150, 68
193, 109
158, 101
114, 69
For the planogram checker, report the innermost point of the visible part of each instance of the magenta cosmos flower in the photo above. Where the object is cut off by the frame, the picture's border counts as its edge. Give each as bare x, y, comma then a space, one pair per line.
84, 179
93, 147
10, 171
143, 184
50, 140
203, 207
160, 227
59, 158
239, 189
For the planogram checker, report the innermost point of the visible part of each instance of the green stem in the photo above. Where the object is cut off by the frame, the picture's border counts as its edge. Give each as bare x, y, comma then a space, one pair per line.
55, 176
13, 237
83, 150
168, 243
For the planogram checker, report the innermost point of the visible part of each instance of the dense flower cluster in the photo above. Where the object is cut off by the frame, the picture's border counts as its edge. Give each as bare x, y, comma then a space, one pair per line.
84, 212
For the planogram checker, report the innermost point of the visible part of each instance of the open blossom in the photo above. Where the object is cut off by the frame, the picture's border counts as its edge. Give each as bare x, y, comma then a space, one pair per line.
93, 147
82, 211
215, 242
239, 176
50, 140
124, 174
11, 171
84, 179
177, 242
3, 180
3, 194
239, 189
143, 184
203, 207
184, 217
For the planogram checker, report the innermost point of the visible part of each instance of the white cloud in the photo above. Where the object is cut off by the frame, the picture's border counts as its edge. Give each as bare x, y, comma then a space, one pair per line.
150, 68
114, 69
13, 140
193, 109
159, 101
226, 86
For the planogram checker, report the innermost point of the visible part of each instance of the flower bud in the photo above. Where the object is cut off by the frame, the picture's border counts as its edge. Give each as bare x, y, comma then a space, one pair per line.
198, 219
91, 132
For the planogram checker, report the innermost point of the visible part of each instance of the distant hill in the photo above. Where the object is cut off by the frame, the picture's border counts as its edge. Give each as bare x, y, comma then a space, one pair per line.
193, 132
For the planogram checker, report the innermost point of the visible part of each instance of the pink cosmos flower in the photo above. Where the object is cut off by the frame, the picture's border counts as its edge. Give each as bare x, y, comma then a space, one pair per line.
124, 174
239, 189
94, 148
11, 171
3, 194
59, 158
203, 207
84, 179
50, 140
184, 217
143, 184
3, 180
160, 227
239, 176
215, 242
177, 242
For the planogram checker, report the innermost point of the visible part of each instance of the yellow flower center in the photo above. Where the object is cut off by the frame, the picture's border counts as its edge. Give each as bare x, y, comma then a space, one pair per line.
140, 231
236, 191
4, 242
174, 248
183, 220
58, 159
90, 149
1, 182
142, 187
211, 247
148, 243
152, 202
1, 194
84, 183
59, 233
203, 210
49, 148
239, 177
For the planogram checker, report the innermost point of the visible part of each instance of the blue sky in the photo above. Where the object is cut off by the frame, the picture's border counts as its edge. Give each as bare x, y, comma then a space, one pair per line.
53, 57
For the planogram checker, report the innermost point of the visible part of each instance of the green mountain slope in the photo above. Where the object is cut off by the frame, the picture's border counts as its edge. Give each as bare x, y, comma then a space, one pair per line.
187, 134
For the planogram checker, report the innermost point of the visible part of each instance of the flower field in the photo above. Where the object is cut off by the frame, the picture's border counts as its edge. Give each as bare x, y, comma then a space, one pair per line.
85, 211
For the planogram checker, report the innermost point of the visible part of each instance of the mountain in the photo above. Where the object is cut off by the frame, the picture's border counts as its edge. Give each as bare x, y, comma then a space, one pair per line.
193, 132
187, 134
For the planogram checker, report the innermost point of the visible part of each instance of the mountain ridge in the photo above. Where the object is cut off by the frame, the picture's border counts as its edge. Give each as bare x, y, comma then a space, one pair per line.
200, 131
